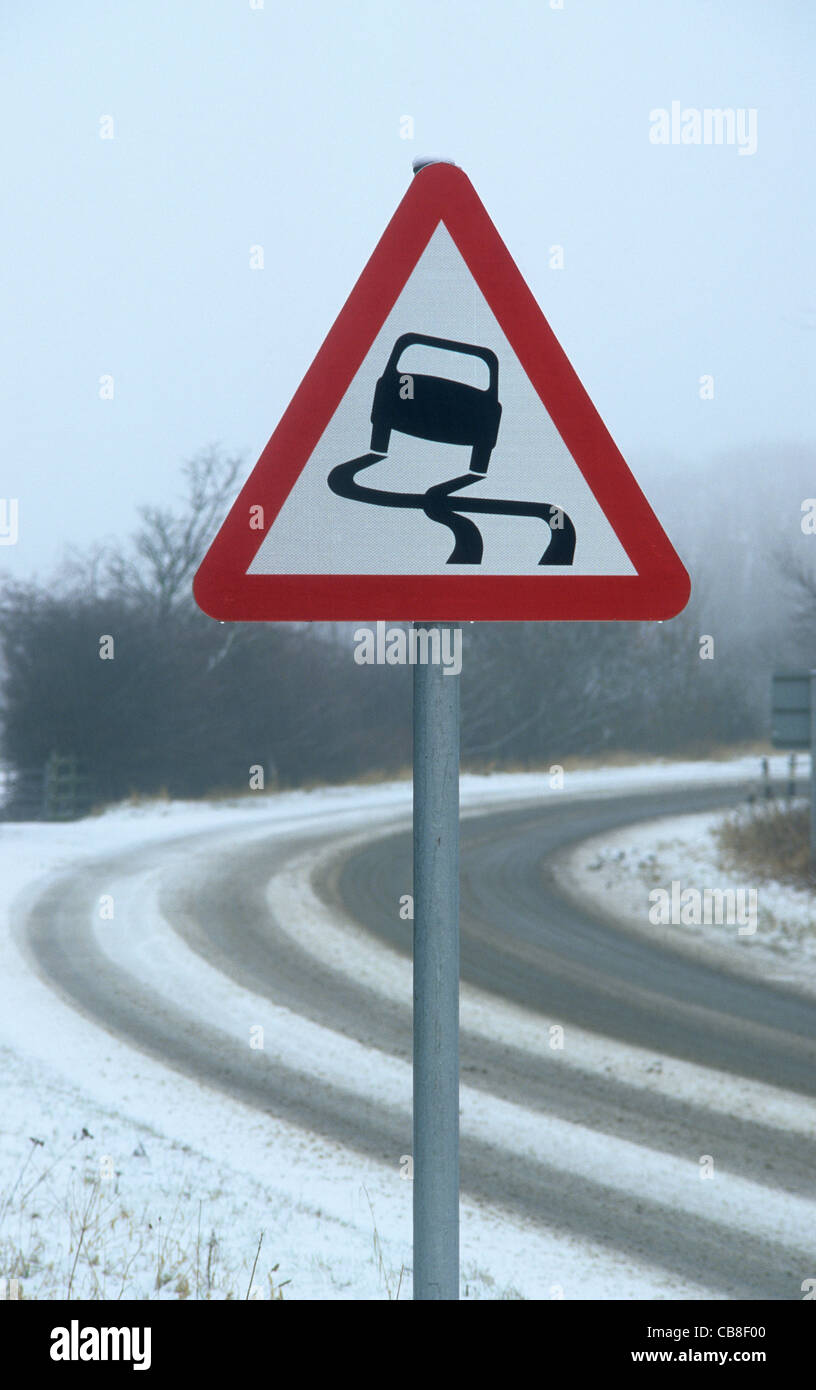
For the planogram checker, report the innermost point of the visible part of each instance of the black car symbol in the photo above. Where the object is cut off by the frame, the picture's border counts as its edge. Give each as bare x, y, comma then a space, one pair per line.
434, 407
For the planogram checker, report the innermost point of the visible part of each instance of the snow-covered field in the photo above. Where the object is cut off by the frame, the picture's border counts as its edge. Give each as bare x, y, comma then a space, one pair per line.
174, 1183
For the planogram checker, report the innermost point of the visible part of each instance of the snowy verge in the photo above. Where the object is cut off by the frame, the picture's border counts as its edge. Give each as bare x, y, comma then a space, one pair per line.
771, 935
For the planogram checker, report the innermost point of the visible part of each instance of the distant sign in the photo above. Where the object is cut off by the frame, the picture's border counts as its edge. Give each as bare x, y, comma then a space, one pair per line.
441, 459
790, 709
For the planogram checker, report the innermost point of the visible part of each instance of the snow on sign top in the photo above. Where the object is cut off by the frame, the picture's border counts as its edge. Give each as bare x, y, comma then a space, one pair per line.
441, 459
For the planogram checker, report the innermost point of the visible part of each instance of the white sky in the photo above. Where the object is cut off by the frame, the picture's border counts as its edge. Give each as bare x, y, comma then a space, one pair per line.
281, 127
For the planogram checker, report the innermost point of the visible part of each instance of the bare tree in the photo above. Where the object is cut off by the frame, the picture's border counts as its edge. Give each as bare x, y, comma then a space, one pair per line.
797, 570
170, 543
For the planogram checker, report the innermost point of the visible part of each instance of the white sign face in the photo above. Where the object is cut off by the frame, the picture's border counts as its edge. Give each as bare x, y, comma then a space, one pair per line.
320, 532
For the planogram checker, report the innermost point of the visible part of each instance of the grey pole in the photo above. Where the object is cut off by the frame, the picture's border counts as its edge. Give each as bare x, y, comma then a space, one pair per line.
436, 977
813, 770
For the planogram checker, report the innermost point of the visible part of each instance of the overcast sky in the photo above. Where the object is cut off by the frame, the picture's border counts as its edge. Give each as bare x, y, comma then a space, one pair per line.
282, 127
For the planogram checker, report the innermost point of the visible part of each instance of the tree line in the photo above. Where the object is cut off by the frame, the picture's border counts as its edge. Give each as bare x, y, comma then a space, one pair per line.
115, 667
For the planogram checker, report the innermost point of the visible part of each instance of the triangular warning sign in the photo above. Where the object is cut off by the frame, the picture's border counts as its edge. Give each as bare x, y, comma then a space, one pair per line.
441, 460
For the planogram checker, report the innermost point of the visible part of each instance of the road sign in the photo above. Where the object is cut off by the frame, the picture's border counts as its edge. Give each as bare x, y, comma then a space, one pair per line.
441, 456
793, 725
790, 709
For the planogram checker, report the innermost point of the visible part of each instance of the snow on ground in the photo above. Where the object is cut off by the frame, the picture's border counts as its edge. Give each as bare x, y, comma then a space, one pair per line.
175, 1183
775, 938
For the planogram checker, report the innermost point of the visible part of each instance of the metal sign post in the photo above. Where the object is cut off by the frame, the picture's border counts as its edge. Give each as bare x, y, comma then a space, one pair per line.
436, 978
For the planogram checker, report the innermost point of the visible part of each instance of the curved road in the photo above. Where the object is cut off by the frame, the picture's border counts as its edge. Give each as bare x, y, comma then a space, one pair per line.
521, 940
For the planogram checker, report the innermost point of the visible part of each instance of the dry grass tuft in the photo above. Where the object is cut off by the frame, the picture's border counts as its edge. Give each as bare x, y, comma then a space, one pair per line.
770, 838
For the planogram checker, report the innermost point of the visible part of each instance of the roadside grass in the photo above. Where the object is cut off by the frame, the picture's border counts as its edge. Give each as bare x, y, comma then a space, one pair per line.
389, 1278
770, 838
573, 762
68, 1233
627, 757
78, 1239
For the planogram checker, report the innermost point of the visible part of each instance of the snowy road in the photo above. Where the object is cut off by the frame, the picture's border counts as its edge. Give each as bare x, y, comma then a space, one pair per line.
296, 929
